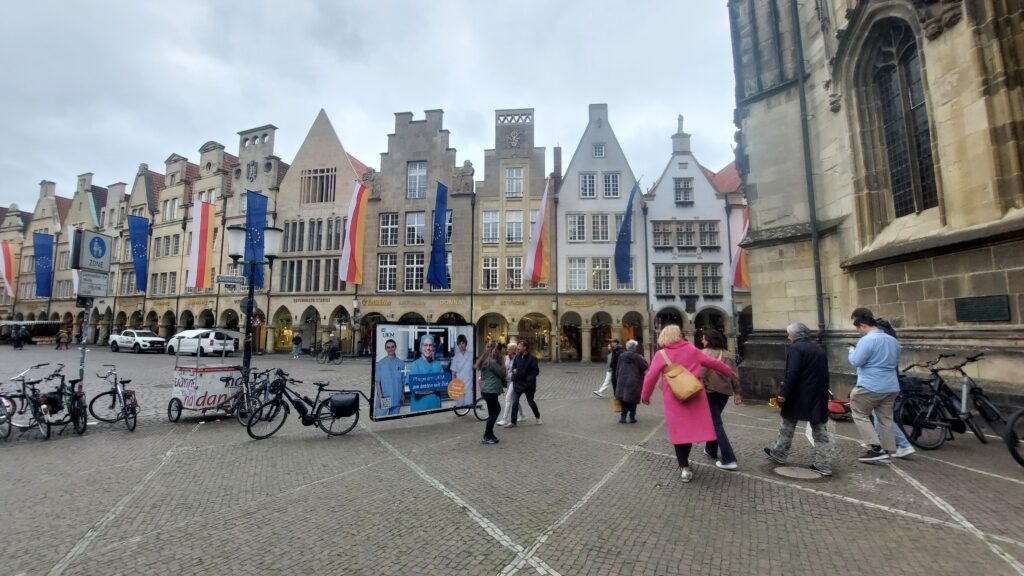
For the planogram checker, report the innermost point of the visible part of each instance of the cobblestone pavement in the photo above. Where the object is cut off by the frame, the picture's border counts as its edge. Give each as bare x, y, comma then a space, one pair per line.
581, 494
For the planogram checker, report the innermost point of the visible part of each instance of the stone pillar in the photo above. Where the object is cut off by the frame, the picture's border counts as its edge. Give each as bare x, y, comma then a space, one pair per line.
585, 345
357, 337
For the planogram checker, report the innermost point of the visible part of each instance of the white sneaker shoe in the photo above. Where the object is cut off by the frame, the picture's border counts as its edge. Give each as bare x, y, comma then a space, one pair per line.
729, 466
501, 422
539, 421
904, 452
685, 475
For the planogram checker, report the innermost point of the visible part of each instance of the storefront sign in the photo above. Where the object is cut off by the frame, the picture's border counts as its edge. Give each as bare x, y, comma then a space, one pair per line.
197, 302
311, 300
602, 302
376, 302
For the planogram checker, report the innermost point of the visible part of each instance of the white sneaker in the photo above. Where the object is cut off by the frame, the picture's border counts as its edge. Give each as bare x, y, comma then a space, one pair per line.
539, 422
685, 475
501, 422
729, 466
904, 452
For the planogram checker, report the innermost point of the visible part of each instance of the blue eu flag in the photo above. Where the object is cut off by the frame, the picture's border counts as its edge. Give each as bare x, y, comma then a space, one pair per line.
138, 235
42, 246
623, 271
437, 273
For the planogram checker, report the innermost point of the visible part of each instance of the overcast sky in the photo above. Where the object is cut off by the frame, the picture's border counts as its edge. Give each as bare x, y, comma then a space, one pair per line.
102, 86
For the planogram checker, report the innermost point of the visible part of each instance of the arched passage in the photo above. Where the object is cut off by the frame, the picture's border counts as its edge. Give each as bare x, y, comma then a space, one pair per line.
230, 320
633, 328
94, 326
187, 320
413, 317
282, 329
206, 319
451, 319
167, 325
368, 327
600, 334
340, 322
570, 336
535, 329
135, 322
707, 318
491, 328
152, 322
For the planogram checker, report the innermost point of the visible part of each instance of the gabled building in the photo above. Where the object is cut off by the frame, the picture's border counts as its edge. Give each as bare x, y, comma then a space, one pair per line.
13, 223
399, 234
84, 212
48, 218
507, 308
688, 235
142, 200
307, 296
592, 203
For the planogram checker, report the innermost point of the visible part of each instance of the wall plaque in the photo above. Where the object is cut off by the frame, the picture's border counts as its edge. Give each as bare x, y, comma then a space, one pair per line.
983, 309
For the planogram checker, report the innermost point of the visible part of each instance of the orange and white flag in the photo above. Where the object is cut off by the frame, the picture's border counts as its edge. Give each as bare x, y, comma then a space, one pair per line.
201, 257
350, 268
7, 263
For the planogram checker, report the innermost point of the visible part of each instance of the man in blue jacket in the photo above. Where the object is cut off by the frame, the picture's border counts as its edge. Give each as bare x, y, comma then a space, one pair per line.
876, 357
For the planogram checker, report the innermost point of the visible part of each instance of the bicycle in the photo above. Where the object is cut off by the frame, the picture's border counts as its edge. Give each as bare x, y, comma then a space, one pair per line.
33, 413
116, 404
1013, 434
479, 409
328, 356
248, 398
68, 397
336, 415
928, 411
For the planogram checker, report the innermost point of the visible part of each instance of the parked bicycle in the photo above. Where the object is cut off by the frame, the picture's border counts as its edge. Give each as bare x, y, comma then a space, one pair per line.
116, 404
26, 409
69, 399
336, 414
1014, 436
929, 412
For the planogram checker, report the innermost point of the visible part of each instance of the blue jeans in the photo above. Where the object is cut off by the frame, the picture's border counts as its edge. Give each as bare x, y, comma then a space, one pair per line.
901, 438
718, 402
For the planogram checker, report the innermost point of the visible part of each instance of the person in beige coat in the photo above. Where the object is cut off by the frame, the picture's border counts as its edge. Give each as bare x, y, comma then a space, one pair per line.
719, 388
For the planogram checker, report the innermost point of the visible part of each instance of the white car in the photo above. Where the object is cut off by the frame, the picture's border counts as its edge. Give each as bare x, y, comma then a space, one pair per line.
203, 342
137, 341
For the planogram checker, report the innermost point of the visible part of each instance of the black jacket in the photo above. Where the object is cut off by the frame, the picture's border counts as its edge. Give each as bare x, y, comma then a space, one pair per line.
615, 366
631, 370
806, 386
526, 371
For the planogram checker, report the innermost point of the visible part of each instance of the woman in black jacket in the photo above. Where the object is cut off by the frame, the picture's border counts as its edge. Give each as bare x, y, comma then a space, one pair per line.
524, 381
804, 397
629, 381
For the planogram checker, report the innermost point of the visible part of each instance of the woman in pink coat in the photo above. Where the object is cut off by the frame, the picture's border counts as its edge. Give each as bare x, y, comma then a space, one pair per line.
689, 421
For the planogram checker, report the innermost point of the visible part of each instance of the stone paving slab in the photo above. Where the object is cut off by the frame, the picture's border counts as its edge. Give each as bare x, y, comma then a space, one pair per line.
579, 495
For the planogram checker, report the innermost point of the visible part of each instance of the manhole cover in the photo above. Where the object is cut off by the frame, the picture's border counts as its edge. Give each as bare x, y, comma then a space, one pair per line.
797, 473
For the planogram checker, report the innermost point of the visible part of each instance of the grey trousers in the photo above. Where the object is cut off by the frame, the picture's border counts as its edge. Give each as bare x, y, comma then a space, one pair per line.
824, 450
862, 403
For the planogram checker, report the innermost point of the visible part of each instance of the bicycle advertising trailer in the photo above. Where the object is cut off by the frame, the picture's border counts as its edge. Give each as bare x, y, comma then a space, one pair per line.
202, 387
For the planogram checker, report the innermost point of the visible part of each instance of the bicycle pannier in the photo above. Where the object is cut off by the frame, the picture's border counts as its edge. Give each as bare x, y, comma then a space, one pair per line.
915, 385
683, 383
344, 405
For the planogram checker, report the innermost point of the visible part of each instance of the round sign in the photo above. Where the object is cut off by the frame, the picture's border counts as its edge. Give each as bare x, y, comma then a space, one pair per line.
97, 248
456, 388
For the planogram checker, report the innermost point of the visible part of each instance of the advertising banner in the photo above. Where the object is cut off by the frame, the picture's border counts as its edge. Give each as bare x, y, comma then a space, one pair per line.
422, 369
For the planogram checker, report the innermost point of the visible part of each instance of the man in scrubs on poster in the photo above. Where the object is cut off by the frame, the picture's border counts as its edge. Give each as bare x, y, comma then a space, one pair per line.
427, 377
388, 379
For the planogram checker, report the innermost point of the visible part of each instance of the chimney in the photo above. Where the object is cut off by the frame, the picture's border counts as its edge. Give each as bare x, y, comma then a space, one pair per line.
557, 161
680, 140
47, 189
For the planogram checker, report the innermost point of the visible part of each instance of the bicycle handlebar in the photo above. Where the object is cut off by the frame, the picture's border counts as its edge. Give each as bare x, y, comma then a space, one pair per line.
40, 366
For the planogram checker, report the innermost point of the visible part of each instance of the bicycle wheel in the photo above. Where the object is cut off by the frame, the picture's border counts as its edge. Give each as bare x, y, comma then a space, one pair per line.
337, 359
79, 419
40, 423
969, 420
106, 407
321, 357
480, 410
988, 411
174, 410
913, 418
267, 419
6, 413
1014, 436
245, 405
461, 410
334, 425
131, 417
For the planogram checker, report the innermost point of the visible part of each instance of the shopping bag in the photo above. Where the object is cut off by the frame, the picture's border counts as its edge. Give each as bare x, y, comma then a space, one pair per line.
616, 405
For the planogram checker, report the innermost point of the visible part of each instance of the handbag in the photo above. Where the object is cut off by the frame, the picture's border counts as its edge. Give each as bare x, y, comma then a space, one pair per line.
682, 382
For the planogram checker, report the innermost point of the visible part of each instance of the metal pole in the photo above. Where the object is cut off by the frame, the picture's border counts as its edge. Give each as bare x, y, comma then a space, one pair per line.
82, 345
249, 306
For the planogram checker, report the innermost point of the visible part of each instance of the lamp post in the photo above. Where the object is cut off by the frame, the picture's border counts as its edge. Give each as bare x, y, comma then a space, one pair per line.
237, 242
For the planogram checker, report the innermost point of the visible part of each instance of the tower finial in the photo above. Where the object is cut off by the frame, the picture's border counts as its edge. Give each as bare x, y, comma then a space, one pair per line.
680, 124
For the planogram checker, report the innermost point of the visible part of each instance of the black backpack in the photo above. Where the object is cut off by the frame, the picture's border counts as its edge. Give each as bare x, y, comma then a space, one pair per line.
886, 327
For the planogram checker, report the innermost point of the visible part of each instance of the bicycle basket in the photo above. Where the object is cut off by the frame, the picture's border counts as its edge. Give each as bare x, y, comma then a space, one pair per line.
915, 385
53, 401
344, 405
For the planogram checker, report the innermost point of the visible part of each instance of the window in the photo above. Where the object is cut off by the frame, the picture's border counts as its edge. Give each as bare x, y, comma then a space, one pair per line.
577, 227
588, 186
320, 233
709, 234
662, 279
904, 120
577, 274
447, 273
490, 227
173, 282
514, 273
153, 283
599, 227
387, 272
611, 185
138, 210
514, 182
167, 247
242, 203
662, 234
598, 150
317, 185
416, 186
298, 275
601, 278
711, 279
388, 229
302, 233
618, 226
312, 235
683, 188
514, 226
414, 222
534, 214
285, 236
688, 279
339, 226
490, 276
449, 221
174, 208
156, 247
684, 165
165, 211
63, 260
685, 235
177, 245
413, 271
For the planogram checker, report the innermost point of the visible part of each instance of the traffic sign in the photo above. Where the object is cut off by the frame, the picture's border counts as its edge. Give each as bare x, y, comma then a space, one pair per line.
229, 279
243, 304
92, 252
92, 283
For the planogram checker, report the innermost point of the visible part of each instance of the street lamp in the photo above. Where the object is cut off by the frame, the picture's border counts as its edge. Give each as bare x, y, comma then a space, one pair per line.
237, 241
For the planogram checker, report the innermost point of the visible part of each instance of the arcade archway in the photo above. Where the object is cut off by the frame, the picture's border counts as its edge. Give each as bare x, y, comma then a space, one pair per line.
570, 336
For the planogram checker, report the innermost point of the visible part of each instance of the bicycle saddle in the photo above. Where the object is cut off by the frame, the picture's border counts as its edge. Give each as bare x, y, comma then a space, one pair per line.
75, 381
321, 383
126, 381
33, 382
226, 379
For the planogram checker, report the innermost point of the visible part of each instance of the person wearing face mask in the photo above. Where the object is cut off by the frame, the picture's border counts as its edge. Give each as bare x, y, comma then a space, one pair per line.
426, 364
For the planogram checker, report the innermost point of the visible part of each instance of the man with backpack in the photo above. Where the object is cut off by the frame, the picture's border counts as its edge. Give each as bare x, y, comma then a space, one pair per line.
903, 447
